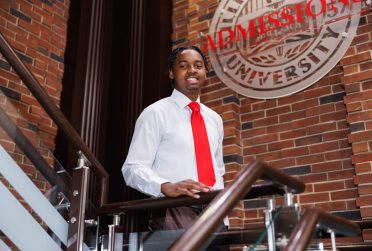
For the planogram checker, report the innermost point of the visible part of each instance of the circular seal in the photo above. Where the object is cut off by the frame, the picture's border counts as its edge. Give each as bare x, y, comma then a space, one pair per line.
269, 49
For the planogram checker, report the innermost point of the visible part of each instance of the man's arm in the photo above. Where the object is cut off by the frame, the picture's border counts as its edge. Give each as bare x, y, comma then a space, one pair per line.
137, 169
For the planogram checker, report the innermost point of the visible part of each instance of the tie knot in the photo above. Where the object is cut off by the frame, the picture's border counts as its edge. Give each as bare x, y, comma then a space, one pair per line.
195, 107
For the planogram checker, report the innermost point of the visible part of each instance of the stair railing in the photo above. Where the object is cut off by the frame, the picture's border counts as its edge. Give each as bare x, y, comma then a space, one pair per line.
313, 218
55, 113
80, 182
221, 202
194, 237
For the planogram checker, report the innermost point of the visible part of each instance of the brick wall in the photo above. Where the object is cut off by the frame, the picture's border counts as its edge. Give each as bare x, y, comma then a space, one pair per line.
320, 135
357, 81
37, 31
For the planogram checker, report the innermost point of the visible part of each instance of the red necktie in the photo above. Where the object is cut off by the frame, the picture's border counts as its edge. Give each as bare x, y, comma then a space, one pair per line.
202, 149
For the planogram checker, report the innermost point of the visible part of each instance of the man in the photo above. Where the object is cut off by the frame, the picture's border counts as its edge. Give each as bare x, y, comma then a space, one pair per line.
169, 153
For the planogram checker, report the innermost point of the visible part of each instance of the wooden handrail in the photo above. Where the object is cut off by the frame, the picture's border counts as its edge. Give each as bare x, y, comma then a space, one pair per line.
303, 232
55, 113
256, 191
194, 237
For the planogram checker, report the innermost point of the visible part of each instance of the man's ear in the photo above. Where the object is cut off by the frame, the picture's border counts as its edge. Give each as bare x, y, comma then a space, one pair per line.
171, 75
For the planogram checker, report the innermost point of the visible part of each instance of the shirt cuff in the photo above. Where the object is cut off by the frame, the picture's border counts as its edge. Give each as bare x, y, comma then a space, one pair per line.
156, 186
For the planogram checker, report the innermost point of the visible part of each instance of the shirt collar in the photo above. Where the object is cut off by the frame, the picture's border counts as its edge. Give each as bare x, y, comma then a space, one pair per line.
181, 99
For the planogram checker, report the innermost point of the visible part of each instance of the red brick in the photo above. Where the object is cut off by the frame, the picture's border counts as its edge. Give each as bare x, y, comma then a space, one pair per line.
326, 108
305, 104
310, 159
278, 110
323, 147
364, 201
363, 157
321, 128
367, 234
362, 116
261, 139
340, 115
264, 105
283, 163
366, 212
363, 178
356, 58
255, 149
329, 186
253, 132
266, 121
352, 87
365, 189
253, 115
357, 77
339, 154
340, 175
332, 206
363, 167
292, 116
353, 107
326, 167
281, 127
344, 195
293, 134
313, 198
292, 152
280, 145
360, 147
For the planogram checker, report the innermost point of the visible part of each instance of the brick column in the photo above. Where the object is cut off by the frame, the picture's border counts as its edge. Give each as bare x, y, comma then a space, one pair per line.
357, 65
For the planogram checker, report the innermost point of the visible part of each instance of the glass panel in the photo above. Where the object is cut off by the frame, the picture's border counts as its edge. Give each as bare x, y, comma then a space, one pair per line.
13, 215
27, 130
19, 138
15, 124
223, 239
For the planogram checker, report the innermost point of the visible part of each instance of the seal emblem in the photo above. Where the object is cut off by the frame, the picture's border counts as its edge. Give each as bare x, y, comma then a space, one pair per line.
269, 49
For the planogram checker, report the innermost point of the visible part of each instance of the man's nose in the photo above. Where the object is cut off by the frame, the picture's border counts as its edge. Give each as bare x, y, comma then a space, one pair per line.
191, 68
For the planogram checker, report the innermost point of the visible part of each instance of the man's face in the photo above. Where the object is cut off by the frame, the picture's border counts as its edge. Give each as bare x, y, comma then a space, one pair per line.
189, 73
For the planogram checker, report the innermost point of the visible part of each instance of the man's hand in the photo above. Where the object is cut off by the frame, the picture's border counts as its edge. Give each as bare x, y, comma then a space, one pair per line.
186, 187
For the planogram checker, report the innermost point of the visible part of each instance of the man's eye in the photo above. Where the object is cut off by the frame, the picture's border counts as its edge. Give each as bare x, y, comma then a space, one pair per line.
199, 66
183, 66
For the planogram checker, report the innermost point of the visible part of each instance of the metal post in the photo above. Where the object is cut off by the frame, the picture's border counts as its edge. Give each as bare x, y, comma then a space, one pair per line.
333, 239
112, 232
288, 199
270, 224
80, 186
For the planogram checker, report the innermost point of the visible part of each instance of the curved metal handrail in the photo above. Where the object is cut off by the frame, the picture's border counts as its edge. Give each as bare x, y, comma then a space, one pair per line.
303, 232
54, 112
194, 237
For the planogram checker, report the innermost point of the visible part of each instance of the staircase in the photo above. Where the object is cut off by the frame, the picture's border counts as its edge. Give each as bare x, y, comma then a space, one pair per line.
54, 211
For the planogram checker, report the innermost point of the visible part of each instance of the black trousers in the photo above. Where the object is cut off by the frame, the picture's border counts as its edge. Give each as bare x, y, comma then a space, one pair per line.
174, 218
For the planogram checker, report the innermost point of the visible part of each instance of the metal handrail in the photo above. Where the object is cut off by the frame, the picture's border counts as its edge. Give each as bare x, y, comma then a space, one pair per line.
257, 190
55, 113
194, 237
312, 217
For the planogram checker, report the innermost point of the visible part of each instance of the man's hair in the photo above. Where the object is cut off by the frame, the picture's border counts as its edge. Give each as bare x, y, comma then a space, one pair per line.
174, 54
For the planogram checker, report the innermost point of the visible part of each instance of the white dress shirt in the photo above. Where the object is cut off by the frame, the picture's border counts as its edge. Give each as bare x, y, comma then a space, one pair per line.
162, 148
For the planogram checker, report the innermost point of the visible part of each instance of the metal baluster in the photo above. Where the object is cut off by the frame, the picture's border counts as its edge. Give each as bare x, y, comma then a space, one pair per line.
270, 224
112, 232
80, 186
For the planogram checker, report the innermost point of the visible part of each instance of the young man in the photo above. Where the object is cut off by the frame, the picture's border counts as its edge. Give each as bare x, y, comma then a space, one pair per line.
176, 148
